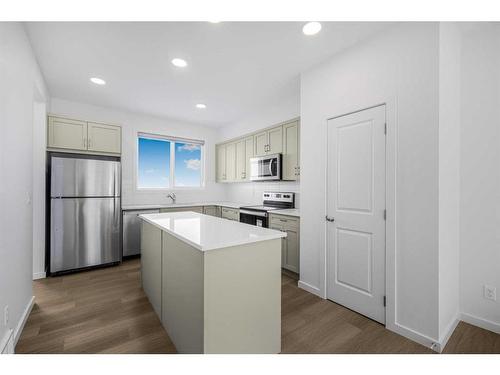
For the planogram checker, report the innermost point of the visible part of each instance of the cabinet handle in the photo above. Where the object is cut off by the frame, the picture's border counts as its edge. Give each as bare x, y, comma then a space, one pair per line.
330, 219
89, 142
84, 142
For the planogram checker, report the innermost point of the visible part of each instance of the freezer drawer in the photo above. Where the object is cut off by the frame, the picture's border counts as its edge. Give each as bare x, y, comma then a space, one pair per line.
84, 232
132, 231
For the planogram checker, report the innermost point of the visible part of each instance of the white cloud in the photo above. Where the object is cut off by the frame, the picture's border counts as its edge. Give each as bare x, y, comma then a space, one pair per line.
188, 147
149, 171
193, 164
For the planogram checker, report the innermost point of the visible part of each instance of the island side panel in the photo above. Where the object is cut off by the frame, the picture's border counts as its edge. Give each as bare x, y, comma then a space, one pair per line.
151, 264
182, 296
243, 298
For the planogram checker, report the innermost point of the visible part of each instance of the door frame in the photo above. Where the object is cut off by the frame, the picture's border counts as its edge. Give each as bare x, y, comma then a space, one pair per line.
390, 205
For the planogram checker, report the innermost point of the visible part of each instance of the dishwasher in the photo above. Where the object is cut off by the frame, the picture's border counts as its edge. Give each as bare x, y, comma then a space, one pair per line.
132, 231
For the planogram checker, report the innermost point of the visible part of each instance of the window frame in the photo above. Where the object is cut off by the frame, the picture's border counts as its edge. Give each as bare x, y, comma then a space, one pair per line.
171, 181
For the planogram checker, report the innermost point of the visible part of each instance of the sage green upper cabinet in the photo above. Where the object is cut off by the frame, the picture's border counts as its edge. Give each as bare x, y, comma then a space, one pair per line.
77, 135
269, 141
67, 134
248, 155
275, 140
291, 166
240, 160
104, 138
260, 142
233, 157
221, 163
231, 162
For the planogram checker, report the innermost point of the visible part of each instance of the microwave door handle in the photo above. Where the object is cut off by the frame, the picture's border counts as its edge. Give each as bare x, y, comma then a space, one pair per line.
271, 167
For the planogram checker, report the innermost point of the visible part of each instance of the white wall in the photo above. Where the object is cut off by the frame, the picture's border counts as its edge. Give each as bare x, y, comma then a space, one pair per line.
20, 85
132, 123
251, 192
449, 176
480, 176
398, 67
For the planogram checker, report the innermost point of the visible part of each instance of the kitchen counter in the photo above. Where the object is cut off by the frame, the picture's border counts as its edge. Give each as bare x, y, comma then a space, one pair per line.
205, 232
288, 212
188, 204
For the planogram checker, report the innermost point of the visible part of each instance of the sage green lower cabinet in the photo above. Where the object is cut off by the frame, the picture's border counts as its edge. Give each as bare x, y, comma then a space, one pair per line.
230, 213
151, 242
290, 250
224, 301
212, 211
198, 209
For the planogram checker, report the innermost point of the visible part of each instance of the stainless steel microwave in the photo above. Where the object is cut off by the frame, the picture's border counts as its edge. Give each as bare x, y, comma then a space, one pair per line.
265, 168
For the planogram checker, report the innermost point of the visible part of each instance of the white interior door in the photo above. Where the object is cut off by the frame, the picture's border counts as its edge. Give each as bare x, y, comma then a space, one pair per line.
356, 203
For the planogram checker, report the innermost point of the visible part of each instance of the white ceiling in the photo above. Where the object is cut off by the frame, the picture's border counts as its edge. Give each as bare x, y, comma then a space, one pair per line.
235, 68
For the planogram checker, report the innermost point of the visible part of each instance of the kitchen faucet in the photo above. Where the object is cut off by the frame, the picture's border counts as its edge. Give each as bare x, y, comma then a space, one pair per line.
172, 196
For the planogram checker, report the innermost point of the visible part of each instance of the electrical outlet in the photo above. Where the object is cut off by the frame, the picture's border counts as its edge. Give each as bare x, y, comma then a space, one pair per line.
6, 316
490, 292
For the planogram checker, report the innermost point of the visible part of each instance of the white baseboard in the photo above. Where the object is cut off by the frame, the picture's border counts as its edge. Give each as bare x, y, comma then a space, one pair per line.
6, 343
22, 321
309, 288
39, 275
448, 332
480, 322
414, 336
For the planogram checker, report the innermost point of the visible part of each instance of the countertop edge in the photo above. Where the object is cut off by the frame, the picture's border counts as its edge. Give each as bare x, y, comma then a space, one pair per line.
208, 248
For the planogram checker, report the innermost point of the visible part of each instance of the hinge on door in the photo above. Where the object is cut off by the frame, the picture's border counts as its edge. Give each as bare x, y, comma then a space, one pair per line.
385, 214
385, 128
385, 301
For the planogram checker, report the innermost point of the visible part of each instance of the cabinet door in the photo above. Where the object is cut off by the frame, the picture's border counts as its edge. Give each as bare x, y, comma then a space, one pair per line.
283, 243
291, 151
292, 251
221, 162
104, 138
240, 160
248, 154
66, 133
231, 162
275, 140
230, 214
260, 144
211, 210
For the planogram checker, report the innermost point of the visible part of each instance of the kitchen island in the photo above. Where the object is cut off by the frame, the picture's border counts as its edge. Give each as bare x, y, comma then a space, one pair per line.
214, 283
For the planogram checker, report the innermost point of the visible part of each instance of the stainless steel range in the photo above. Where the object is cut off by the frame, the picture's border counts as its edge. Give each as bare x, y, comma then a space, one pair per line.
259, 215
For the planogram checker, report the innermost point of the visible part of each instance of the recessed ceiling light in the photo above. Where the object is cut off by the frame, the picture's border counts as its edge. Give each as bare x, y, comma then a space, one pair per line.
214, 21
201, 106
98, 81
179, 62
311, 28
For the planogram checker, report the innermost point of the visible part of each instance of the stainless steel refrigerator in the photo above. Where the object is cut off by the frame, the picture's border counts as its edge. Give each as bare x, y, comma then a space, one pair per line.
85, 212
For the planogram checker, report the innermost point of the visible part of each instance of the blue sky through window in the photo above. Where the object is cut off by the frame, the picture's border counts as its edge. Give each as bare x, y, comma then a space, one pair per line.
187, 164
154, 163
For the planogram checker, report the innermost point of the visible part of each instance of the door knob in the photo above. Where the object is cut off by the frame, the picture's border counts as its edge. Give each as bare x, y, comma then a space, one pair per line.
330, 219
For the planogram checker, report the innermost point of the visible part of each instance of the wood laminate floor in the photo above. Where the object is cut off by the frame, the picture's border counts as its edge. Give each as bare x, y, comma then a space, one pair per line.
106, 311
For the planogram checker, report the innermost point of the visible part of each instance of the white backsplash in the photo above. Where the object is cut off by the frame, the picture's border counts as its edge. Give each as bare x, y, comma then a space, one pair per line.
251, 192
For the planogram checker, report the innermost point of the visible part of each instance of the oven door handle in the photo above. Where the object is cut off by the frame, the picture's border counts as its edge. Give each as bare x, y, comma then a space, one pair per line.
253, 213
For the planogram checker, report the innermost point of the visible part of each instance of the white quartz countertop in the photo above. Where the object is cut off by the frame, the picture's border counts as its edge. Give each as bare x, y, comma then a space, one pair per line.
205, 232
288, 212
188, 204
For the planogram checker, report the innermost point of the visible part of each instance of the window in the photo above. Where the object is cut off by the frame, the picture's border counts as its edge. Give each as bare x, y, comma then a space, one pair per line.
165, 162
